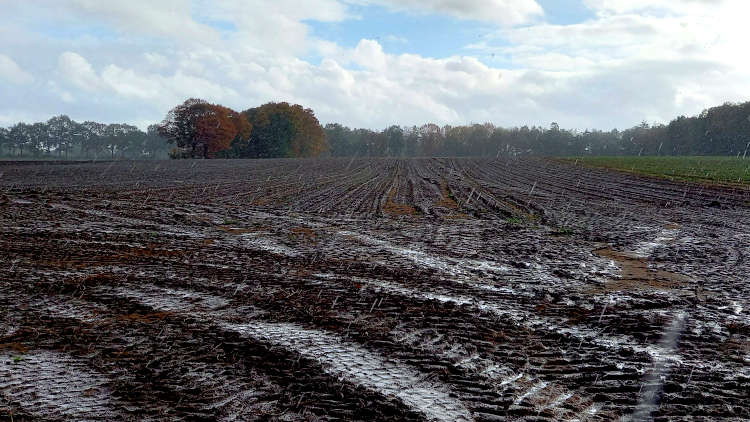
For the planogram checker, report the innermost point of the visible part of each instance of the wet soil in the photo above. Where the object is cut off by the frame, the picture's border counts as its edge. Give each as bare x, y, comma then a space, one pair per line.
635, 273
370, 289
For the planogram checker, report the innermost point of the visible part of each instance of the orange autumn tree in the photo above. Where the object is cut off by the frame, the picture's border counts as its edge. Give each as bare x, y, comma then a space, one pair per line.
310, 139
201, 129
217, 127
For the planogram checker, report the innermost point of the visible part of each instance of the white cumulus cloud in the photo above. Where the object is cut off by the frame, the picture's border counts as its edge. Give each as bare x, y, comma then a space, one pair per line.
79, 71
11, 72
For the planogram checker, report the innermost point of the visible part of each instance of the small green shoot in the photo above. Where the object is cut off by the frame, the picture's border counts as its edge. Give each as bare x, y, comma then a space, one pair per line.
563, 231
516, 221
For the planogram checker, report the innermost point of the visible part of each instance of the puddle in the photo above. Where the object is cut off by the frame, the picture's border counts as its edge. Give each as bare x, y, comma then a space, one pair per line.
667, 235
636, 274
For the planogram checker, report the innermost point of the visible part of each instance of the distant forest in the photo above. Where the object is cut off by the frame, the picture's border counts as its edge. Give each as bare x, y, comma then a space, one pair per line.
62, 138
198, 129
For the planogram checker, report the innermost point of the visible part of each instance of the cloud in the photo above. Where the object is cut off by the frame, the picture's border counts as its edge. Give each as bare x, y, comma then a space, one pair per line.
681, 7
279, 26
504, 12
11, 72
655, 59
252, 24
79, 71
129, 83
628, 62
164, 18
11, 117
156, 60
62, 94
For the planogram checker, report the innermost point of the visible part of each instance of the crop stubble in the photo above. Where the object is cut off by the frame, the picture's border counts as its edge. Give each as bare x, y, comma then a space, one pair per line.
369, 289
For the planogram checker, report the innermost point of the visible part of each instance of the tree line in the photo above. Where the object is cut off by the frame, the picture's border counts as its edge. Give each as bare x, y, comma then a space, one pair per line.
193, 129
722, 130
62, 138
199, 129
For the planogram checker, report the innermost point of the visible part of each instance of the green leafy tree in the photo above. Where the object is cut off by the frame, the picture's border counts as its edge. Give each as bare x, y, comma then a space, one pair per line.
340, 140
153, 144
117, 138
281, 130
395, 142
21, 140
61, 133
93, 139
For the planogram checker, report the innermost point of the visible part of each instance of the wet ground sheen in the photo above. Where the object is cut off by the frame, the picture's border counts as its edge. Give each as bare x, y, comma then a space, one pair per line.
370, 289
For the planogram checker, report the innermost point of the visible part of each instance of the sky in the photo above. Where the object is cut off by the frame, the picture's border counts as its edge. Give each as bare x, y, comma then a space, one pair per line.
371, 63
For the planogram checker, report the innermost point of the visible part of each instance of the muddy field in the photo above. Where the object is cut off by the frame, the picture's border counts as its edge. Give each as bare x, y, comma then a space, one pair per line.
434, 289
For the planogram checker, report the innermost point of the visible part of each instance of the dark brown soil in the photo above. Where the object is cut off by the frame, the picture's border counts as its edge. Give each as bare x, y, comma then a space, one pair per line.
370, 289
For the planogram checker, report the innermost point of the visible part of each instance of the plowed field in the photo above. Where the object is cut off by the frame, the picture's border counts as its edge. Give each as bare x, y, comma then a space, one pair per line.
366, 289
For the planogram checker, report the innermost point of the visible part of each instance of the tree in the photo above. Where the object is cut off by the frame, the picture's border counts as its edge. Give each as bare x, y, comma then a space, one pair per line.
217, 127
28, 137
395, 141
202, 129
340, 140
92, 138
61, 132
130, 144
118, 137
153, 144
38, 138
4, 139
685, 136
179, 126
377, 144
478, 142
411, 141
431, 138
281, 130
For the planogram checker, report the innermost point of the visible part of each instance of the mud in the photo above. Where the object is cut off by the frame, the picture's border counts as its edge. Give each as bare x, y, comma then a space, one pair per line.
369, 289
635, 274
